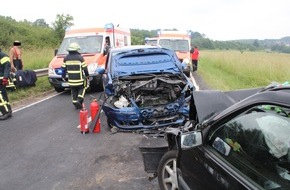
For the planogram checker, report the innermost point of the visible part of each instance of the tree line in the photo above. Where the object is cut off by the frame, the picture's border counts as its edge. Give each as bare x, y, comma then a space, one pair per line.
39, 34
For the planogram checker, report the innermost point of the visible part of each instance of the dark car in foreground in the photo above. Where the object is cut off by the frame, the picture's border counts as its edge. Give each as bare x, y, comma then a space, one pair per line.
145, 88
235, 140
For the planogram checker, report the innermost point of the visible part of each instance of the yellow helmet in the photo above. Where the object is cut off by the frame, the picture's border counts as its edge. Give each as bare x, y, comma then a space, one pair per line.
73, 47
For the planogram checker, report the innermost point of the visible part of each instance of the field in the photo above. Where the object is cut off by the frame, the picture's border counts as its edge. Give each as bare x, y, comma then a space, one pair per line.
223, 70
229, 70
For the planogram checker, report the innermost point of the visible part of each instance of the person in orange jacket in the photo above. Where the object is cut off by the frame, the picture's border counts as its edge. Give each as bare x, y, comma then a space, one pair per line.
194, 58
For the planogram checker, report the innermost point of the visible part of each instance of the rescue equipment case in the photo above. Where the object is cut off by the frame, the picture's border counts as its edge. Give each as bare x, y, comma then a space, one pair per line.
25, 78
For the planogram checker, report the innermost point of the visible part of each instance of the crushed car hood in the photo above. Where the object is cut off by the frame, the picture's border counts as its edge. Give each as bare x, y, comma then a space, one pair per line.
149, 61
212, 102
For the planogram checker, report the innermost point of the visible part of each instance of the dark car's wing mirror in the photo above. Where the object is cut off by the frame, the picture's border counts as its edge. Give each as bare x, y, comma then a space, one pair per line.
191, 139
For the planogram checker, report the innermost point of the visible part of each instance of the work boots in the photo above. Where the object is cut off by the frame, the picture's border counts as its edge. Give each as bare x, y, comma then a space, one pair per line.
77, 105
6, 114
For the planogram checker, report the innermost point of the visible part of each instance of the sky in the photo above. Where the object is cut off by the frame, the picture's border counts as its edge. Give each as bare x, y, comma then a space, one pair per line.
216, 19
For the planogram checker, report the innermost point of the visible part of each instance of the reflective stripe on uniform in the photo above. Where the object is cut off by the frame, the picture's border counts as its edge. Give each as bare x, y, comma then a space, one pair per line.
75, 73
4, 60
3, 102
84, 64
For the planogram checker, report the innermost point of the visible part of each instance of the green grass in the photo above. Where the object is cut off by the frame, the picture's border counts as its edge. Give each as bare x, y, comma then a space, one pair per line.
229, 70
37, 58
42, 85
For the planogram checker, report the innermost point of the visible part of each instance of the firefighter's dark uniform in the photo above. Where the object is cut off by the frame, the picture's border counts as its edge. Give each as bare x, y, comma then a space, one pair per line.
76, 68
5, 68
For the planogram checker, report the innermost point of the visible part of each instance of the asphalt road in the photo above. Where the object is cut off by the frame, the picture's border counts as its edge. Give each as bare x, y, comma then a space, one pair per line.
42, 148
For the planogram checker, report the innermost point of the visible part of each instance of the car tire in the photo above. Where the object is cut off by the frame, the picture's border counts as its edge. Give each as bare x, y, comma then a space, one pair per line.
57, 89
167, 176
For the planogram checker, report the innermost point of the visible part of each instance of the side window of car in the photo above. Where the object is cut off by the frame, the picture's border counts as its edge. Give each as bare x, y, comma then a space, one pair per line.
257, 143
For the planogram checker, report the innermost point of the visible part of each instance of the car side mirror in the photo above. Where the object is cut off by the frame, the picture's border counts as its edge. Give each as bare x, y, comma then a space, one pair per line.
100, 70
191, 139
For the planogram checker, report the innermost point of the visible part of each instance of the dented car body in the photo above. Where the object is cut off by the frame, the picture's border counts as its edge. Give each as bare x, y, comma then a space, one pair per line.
145, 88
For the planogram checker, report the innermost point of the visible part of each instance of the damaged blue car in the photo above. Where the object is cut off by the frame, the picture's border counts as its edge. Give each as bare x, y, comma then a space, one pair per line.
145, 88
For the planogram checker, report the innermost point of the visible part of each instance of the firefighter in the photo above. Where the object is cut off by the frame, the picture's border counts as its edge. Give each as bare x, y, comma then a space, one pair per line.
5, 68
76, 68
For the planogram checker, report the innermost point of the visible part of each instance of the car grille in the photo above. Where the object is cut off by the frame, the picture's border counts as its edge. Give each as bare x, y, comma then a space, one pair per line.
161, 111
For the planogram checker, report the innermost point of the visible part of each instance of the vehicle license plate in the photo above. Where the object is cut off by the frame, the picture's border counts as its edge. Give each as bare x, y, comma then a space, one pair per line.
64, 84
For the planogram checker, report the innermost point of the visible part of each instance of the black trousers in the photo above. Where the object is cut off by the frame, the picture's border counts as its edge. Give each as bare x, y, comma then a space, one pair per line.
78, 93
18, 64
4, 102
194, 65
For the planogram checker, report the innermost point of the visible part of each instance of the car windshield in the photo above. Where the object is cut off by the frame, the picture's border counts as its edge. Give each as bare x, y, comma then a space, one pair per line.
174, 44
88, 44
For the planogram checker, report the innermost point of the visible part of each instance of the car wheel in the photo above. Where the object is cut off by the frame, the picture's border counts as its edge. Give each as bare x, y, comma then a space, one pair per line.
58, 89
167, 176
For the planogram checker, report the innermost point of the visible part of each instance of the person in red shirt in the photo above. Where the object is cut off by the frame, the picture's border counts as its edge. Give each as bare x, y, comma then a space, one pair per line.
194, 58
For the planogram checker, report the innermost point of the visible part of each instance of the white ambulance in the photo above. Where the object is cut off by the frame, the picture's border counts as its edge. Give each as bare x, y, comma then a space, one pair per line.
179, 41
93, 43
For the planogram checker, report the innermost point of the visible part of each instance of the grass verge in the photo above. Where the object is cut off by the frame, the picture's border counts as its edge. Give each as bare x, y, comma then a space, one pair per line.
230, 70
42, 86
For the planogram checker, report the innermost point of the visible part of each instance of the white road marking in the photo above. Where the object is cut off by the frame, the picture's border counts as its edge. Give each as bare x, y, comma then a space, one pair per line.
19, 109
36, 102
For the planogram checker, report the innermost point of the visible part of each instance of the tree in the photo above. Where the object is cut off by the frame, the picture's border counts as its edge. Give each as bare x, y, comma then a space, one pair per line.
256, 43
40, 23
61, 23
